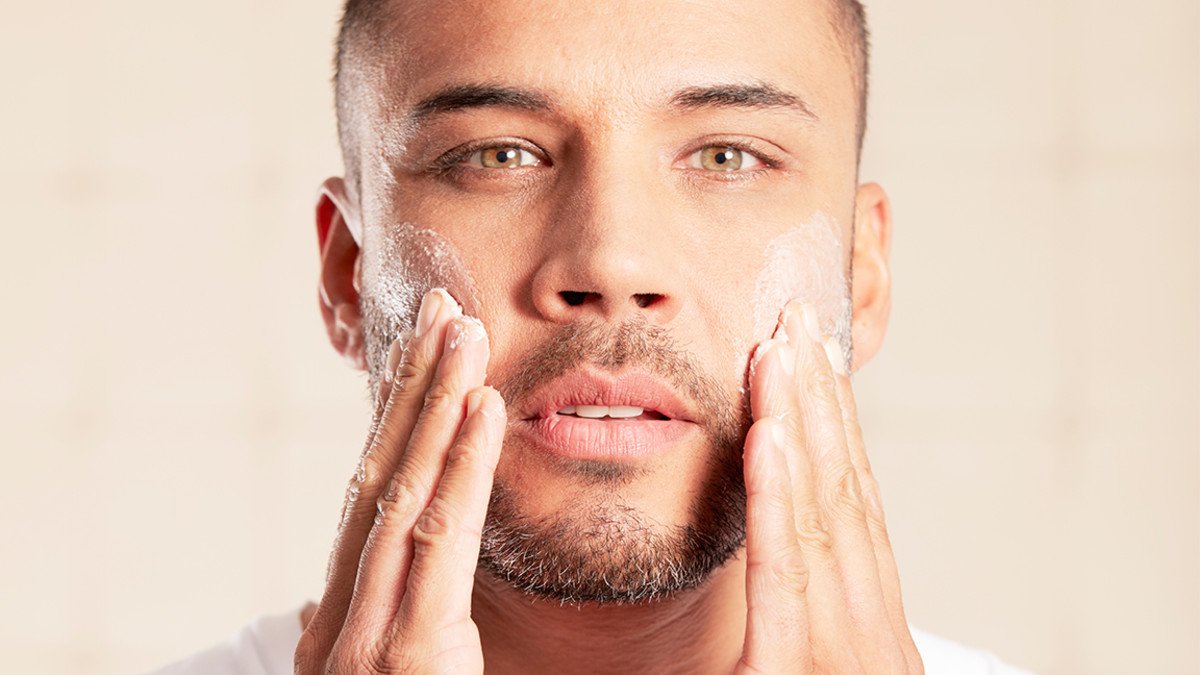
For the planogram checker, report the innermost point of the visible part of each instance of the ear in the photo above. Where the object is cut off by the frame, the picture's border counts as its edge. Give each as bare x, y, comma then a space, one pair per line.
338, 236
872, 282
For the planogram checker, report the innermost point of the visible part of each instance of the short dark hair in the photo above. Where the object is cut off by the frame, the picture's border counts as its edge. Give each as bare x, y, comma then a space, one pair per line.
362, 20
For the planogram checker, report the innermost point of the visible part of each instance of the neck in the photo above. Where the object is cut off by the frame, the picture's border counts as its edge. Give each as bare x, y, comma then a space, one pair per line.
697, 631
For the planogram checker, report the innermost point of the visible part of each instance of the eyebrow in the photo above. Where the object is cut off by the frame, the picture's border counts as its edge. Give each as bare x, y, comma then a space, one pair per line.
749, 96
464, 96
756, 96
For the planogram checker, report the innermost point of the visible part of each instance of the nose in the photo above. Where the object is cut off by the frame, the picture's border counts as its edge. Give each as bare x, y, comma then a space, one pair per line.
612, 251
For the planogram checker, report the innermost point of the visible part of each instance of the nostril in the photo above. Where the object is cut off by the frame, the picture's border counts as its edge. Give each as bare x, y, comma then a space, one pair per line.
573, 298
644, 300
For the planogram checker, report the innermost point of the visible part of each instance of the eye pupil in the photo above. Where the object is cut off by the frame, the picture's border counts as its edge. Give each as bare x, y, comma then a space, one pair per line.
720, 158
501, 157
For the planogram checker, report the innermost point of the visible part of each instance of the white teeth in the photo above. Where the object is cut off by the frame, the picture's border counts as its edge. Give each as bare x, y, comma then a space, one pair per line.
591, 411
598, 411
624, 411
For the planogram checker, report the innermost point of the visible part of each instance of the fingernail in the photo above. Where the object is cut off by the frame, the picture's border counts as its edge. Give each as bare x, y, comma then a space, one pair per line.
474, 400
784, 329
393, 360
442, 302
811, 325
833, 351
780, 333
464, 330
790, 319
760, 352
430, 304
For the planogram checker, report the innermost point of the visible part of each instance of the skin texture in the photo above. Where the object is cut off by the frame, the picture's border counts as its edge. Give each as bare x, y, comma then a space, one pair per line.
614, 206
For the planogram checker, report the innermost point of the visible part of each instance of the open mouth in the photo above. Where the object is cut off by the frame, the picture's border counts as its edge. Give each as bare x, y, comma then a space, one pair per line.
594, 414
612, 412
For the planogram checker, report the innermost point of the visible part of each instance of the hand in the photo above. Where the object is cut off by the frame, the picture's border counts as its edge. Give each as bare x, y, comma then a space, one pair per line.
822, 589
398, 591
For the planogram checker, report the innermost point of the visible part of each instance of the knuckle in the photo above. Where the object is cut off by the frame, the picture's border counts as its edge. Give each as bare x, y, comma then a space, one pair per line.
812, 532
356, 654
352, 509
841, 495
398, 500
348, 506
411, 368
441, 398
370, 473
464, 454
790, 570
382, 661
437, 524
819, 382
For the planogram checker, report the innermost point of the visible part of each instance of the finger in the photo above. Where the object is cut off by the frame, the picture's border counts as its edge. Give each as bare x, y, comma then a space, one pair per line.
353, 488
446, 538
462, 368
889, 576
379, 457
384, 561
837, 506
395, 352
770, 395
775, 394
777, 576
415, 375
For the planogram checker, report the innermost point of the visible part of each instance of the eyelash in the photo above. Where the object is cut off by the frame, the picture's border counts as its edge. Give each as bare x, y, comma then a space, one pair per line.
450, 164
770, 161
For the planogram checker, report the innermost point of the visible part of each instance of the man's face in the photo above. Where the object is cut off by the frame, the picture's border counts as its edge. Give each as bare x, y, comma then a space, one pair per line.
626, 194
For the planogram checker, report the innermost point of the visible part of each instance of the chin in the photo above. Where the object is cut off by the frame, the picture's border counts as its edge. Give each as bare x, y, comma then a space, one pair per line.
582, 530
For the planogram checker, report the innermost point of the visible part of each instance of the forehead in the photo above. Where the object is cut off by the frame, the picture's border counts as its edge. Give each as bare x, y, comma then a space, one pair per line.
616, 57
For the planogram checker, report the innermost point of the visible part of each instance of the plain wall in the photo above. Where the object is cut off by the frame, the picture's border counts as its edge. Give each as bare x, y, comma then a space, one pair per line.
177, 433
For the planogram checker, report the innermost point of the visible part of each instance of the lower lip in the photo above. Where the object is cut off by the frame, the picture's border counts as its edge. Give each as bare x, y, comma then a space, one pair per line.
607, 439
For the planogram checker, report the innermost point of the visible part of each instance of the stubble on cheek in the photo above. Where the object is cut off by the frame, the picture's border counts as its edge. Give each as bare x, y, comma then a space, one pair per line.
407, 263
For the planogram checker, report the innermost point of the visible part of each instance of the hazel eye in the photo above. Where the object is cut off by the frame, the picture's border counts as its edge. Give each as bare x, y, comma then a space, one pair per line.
503, 157
723, 158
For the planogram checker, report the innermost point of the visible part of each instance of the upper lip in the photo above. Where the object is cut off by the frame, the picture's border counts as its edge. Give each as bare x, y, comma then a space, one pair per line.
587, 387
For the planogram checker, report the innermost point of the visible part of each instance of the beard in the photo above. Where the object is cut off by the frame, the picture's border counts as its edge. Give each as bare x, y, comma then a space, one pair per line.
601, 549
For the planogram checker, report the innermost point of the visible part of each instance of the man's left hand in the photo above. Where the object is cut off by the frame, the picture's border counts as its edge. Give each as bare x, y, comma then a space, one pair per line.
822, 589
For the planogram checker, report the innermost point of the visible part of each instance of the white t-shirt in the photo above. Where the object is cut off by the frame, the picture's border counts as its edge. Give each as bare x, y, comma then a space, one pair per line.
266, 645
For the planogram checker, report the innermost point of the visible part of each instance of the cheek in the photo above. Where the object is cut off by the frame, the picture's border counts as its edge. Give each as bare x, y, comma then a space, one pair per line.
411, 261
805, 263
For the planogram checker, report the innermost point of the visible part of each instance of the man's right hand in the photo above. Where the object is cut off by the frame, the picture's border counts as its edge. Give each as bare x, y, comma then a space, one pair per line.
398, 590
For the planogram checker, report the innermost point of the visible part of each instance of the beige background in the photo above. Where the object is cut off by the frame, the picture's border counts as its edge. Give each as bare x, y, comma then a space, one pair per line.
176, 433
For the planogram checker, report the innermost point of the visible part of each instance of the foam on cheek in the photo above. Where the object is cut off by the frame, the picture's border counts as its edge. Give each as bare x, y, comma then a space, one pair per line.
413, 260
805, 262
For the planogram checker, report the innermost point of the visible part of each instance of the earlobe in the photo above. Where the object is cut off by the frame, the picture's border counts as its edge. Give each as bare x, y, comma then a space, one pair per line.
337, 290
872, 282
